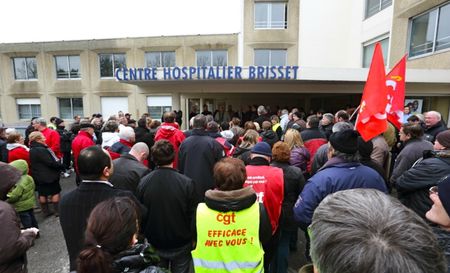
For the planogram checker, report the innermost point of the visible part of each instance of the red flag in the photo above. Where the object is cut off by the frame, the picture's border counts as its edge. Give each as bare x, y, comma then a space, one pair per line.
395, 82
372, 119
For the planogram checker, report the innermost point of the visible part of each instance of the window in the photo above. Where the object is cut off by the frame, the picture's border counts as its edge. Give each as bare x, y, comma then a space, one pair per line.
25, 68
160, 59
70, 107
157, 105
109, 63
112, 105
211, 57
430, 32
269, 57
270, 15
28, 108
369, 48
375, 6
67, 67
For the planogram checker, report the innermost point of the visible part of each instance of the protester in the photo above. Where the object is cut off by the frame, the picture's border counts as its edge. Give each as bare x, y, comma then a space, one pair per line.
297, 122
3, 150
312, 138
166, 192
95, 167
83, 140
267, 134
213, 131
52, 138
276, 126
262, 115
380, 150
365, 149
14, 242
197, 156
284, 120
66, 138
16, 149
434, 125
130, 168
45, 170
230, 208
169, 130
126, 141
142, 132
111, 243
243, 151
413, 184
21, 195
293, 184
110, 133
299, 153
365, 230
326, 124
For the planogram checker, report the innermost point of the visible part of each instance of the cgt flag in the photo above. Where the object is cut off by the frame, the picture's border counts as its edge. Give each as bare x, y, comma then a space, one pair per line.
372, 119
395, 82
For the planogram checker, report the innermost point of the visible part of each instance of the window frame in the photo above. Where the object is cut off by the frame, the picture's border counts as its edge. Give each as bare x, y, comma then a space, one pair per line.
113, 64
26, 68
68, 67
270, 55
410, 23
373, 42
71, 106
380, 8
147, 53
269, 16
29, 105
211, 56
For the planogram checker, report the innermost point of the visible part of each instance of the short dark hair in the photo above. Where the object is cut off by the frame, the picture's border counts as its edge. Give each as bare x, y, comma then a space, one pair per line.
413, 118
169, 117
225, 126
313, 121
230, 174
199, 122
110, 126
343, 115
92, 161
163, 152
413, 129
212, 127
142, 123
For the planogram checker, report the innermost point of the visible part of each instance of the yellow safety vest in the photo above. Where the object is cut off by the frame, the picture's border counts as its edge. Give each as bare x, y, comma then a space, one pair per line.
228, 241
275, 127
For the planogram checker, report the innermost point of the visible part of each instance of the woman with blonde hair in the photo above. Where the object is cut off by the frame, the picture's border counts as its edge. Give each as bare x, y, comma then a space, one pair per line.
299, 154
249, 140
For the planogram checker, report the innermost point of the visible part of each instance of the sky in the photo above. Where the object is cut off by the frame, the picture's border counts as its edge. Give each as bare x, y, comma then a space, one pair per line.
56, 20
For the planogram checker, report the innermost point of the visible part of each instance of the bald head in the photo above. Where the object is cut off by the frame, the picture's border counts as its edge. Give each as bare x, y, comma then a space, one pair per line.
140, 151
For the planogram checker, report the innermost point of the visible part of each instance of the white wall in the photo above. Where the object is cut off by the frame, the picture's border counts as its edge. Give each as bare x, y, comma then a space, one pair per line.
331, 32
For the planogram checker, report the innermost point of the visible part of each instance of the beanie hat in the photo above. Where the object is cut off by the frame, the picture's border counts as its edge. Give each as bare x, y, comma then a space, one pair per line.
58, 121
364, 148
444, 193
10, 176
444, 138
345, 141
262, 148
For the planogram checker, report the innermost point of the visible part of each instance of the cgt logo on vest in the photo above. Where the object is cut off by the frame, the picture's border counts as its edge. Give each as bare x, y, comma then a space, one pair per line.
226, 219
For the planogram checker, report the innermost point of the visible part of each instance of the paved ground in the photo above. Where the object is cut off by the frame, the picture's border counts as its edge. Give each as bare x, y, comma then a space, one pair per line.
49, 254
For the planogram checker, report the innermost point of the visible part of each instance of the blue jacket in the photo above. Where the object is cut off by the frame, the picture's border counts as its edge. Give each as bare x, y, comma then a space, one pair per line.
336, 175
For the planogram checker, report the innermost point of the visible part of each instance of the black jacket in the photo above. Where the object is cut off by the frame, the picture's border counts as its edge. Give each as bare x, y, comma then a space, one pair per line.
413, 185
327, 130
312, 133
269, 137
144, 135
169, 198
44, 167
128, 172
3, 151
196, 158
74, 210
243, 154
140, 258
433, 131
66, 138
293, 185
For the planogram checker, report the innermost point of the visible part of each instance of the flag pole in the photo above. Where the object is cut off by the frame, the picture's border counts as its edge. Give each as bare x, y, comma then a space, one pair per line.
354, 112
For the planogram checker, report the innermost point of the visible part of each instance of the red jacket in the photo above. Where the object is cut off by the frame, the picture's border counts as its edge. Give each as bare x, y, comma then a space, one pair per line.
52, 139
170, 132
81, 141
18, 152
268, 183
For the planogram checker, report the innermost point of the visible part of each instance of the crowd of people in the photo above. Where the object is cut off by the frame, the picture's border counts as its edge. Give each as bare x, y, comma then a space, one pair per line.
231, 193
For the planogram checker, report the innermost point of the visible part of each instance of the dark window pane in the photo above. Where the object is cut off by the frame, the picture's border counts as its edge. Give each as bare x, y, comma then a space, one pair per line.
153, 59
35, 110
74, 65
119, 61
31, 68
24, 111
20, 72
61, 67
168, 59
422, 34
443, 32
65, 108
106, 65
203, 58
262, 57
219, 58
77, 104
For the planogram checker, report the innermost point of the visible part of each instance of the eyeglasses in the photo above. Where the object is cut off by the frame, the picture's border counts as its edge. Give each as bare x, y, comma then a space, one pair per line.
433, 190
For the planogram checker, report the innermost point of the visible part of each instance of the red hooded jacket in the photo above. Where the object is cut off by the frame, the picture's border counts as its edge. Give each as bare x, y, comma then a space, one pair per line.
170, 132
81, 141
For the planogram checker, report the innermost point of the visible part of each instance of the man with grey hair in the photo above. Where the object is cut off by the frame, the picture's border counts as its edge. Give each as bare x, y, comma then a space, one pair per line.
326, 124
365, 230
126, 141
434, 125
52, 138
262, 115
129, 168
320, 158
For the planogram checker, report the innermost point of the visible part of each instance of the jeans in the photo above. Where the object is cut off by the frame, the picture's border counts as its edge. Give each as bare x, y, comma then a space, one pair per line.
280, 260
177, 260
27, 218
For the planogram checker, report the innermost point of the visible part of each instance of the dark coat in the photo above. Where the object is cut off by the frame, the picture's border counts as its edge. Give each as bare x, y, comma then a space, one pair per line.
75, 208
3, 151
433, 131
137, 259
293, 185
128, 173
320, 158
327, 130
66, 140
169, 199
269, 137
413, 184
299, 158
13, 243
197, 156
121, 147
243, 154
44, 167
144, 135
312, 133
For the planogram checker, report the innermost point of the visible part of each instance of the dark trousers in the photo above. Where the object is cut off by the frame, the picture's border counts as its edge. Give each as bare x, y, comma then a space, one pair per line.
178, 260
27, 218
67, 156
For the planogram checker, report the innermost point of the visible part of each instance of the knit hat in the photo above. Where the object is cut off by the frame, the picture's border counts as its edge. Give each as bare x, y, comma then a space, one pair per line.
444, 192
10, 176
58, 121
444, 138
262, 148
365, 148
345, 141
